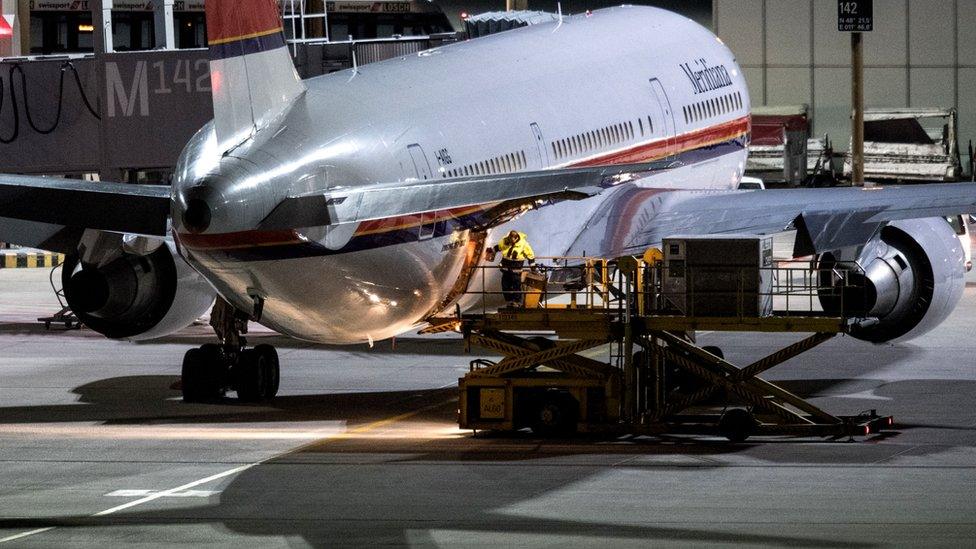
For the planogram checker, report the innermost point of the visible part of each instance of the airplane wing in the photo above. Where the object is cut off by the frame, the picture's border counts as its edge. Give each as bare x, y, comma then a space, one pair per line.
631, 218
634, 218
365, 203
50, 213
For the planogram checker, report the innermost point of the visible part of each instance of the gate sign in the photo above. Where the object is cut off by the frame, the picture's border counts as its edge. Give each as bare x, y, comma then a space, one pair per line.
855, 15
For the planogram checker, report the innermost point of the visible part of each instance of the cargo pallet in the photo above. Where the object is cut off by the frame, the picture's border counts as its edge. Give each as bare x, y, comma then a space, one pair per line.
657, 380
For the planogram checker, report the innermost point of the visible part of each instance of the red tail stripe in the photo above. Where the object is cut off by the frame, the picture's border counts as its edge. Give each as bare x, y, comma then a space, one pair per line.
229, 20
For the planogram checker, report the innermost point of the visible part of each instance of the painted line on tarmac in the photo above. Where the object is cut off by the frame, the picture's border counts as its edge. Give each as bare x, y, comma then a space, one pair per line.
164, 493
25, 534
140, 492
171, 491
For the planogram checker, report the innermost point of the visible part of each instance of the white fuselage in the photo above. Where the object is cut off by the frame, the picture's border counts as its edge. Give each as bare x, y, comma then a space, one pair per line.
623, 85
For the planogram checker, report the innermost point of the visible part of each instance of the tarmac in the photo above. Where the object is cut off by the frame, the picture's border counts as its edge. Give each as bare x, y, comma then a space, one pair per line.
361, 448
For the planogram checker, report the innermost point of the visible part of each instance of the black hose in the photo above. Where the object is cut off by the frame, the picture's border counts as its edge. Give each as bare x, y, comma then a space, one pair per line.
13, 99
81, 89
23, 87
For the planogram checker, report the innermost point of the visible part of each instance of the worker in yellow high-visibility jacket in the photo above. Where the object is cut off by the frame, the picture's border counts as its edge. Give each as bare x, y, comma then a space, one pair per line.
515, 250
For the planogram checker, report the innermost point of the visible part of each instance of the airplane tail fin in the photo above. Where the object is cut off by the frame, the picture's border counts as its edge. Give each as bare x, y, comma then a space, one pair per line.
252, 75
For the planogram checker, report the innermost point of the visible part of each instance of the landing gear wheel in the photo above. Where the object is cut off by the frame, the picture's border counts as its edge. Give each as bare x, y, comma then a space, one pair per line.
556, 415
251, 375
272, 369
737, 424
257, 374
201, 374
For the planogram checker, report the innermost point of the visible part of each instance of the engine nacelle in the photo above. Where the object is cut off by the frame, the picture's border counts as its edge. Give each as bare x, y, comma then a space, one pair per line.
127, 295
913, 277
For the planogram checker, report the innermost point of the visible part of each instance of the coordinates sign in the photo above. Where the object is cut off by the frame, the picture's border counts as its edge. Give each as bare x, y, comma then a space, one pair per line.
855, 15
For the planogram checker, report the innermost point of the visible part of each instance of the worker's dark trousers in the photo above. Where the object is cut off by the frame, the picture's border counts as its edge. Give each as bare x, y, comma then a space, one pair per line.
512, 280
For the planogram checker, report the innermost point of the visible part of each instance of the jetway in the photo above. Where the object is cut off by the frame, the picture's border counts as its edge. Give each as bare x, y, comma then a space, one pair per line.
117, 114
102, 113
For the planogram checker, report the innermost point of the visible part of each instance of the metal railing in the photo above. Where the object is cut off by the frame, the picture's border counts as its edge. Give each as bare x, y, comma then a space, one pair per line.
795, 288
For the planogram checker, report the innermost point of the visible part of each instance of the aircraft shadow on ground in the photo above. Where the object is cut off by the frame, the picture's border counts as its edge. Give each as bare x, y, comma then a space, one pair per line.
135, 400
390, 490
152, 399
410, 344
401, 345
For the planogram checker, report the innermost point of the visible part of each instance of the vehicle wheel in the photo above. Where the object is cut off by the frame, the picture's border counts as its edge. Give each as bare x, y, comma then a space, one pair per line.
251, 374
272, 369
555, 415
737, 424
201, 382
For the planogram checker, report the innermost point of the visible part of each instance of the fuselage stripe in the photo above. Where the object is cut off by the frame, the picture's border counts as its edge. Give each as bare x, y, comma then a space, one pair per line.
659, 148
390, 230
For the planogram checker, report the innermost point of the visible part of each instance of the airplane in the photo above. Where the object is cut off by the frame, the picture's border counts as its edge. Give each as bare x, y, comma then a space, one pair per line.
351, 207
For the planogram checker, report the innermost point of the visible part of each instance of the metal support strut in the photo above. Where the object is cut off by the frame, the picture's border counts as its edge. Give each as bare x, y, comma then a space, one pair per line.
669, 385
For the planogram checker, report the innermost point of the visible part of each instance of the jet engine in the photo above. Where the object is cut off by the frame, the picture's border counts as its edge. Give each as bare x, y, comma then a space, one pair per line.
909, 277
133, 288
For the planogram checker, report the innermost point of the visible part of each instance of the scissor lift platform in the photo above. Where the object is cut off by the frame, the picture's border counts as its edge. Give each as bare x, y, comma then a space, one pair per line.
670, 385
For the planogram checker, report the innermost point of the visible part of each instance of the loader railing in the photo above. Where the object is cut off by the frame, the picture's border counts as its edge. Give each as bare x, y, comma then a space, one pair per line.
794, 288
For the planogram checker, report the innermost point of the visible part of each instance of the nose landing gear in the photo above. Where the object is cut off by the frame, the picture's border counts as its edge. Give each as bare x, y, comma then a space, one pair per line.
209, 371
